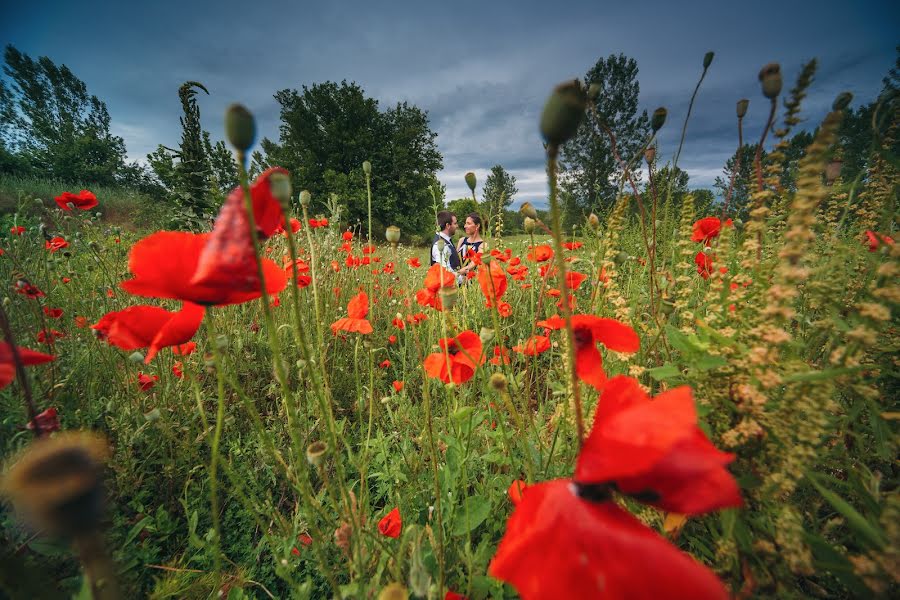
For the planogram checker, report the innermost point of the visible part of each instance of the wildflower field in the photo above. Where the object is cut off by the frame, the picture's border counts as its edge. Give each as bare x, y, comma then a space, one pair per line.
673, 402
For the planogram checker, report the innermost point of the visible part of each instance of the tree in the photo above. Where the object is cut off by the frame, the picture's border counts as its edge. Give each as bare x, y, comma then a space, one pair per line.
193, 169
744, 181
589, 168
52, 126
329, 129
497, 195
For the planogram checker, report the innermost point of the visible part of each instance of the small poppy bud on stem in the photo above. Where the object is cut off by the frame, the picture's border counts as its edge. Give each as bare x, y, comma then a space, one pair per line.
367, 167
280, 184
650, 154
707, 59
498, 382
315, 453
742, 105
594, 221
658, 119
471, 181
240, 127
448, 296
528, 225
528, 210
305, 197
563, 114
770, 78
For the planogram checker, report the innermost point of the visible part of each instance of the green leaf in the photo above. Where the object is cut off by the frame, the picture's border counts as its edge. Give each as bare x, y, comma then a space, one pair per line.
821, 375
710, 362
855, 521
664, 372
827, 558
462, 415
471, 514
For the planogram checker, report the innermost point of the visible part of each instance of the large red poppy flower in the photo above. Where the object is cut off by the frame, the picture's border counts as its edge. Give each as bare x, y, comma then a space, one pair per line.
493, 282
706, 229
559, 545
84, 200
541, 253
589, 330
165, 264
145, 326
457, 361
391, 524
654, 451
436, 278
355, 321
56, 243
28, 358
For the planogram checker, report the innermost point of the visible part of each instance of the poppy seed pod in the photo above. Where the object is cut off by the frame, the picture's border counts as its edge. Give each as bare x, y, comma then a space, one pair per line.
742, 105
448, 296
56, 483
367, 167
315, 453
528, 225
842, 101
658, 119
593, 92
240, 127
470, 180
563, 112
528, 210
305, 197
770, 78
594, 221
280, 184
392, 234
650, 154
393, 591
707, 59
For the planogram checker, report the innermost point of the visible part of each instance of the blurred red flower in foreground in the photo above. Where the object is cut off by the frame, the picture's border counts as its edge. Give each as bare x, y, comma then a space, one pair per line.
47, 421
355, 321
875, 240
146, 382
559, 545
516, 491
534, 345
84, 200
436, 278
145, 326
28, 358
706, 229
540, 253
391, 524
458, 360
654, 450
493, 282
704, 264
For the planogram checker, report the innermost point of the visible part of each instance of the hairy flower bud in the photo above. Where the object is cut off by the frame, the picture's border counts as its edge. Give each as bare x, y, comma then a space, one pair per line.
470, 180
498, 382
742, 105
594, 221
842, 101
315, 453
280, 184
240, 127
367, 167
770, 78
448, 296
528, 225
305, 197
650, 154
707, 59
528, 210
658, 119
393, 591
563, 112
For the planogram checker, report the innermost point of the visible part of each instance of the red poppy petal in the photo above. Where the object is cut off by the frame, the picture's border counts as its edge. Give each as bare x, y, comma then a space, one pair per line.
615, 335
132, 328
163, 264
589, 365
436, 366
178, 330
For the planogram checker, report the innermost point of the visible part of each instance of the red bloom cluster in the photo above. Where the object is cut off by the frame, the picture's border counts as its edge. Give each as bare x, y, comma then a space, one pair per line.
458, 359
83, 200
355, 321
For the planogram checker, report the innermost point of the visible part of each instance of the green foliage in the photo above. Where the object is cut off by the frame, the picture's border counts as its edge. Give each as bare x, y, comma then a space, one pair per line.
498, 194
50, 125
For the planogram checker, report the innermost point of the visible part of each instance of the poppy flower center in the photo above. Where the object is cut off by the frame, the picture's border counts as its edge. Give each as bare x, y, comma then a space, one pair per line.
582, 337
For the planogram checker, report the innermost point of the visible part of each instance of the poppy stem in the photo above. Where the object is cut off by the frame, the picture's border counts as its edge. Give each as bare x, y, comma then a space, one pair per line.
20, 371
552, 152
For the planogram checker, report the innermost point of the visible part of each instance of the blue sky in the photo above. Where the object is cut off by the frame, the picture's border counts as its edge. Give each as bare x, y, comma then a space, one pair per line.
482, 70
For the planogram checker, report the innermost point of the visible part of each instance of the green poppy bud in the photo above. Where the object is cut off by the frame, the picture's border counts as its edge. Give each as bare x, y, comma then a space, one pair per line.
770, 78
658, 119
842, 101
240, 127
305, 197
470, 180
742, 105
136, 357
620, 258
650, 154
707, 59
367, 167
448, 296
563, 112
280, 184
593, 92
528, 210
528, 225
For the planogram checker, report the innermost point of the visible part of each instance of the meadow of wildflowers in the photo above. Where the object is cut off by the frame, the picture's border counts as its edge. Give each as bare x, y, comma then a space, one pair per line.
673, 404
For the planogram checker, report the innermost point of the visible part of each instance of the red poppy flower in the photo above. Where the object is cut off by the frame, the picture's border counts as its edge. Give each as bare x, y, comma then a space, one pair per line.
53, 313
574, 279
56, 243
81, 322
66, 280
296, 225
385, 364
436, 277
316, 223
145, 326
398, 323
83, 200
165, 265
414, 262
178, 369
875, 240
48, 336
392, 339
26, 288
303, 280
706, 229
347, 236
516, 490
47, 421
391, 524
184, 349
541, 253
305, 540
146, 382
504, 309
536, 344
555, 322
28, 358
704, 264
457, 361
501, 355
17, 230
451, 595
654, 451
416, 318
493, 282
572, 245
398, 386
355, 321
558, 545
589, 330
